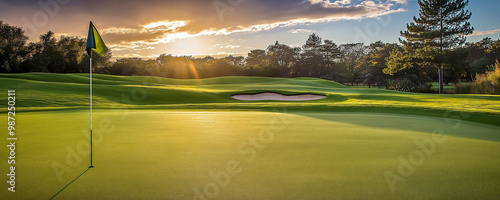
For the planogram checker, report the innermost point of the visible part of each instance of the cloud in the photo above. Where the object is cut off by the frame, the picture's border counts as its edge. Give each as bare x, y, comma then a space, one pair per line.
317, 11
136, 55
137, 25
225, 46
485, 32
400, 1
300, 31
191, 16
146, 33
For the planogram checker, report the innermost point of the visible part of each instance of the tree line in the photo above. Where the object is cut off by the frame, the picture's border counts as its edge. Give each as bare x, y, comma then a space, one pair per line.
435, 40
49, 54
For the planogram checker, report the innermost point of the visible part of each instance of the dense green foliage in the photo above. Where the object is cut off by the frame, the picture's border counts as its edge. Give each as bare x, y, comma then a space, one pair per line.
488, 83
12, 47
435, 37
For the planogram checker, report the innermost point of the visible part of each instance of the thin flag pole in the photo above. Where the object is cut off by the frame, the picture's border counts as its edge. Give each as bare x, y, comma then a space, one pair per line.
91, 165
94, 43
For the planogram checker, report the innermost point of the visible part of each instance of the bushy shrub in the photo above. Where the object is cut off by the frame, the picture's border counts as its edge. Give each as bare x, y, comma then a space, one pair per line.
404, 85
425, 89
463, 89
408, 85
488, 83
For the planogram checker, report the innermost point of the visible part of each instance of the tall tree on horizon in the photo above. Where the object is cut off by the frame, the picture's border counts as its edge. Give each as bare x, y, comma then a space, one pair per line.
442, 25
12, 47
311, 58
352, 55
281, 57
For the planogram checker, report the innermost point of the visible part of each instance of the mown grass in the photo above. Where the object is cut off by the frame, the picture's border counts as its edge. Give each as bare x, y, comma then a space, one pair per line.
158, 154
41, 91
158, 138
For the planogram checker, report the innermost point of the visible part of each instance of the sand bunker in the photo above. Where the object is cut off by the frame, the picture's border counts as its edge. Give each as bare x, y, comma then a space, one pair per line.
277, 97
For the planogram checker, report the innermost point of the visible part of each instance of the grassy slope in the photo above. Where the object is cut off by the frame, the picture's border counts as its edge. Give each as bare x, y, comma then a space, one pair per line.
154, 154
39, 91
151, 154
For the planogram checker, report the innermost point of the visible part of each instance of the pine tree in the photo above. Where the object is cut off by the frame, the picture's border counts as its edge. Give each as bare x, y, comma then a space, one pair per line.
442, 25
311, 57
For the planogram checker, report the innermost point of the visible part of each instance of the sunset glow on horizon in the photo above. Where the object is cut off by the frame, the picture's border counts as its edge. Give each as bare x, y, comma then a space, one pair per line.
220, 28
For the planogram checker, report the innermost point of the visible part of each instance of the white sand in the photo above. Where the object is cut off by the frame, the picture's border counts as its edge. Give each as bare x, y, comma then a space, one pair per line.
277, 97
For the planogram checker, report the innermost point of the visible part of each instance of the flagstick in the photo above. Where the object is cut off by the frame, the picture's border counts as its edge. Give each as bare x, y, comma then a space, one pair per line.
91, 166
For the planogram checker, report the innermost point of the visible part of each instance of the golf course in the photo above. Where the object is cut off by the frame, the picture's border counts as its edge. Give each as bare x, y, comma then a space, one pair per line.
160, 138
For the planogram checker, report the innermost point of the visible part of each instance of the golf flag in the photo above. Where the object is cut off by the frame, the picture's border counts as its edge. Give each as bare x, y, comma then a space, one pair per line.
94, 42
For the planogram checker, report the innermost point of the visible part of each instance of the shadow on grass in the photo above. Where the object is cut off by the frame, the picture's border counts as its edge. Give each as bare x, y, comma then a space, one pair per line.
427, 124
69, 183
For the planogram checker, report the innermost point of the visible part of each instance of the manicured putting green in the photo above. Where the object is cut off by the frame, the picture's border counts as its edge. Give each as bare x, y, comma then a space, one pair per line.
144, 154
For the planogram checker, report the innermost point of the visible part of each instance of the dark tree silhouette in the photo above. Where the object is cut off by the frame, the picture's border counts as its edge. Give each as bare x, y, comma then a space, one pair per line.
12, 48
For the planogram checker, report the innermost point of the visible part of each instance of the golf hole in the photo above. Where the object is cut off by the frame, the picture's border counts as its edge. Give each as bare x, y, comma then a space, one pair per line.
277, 97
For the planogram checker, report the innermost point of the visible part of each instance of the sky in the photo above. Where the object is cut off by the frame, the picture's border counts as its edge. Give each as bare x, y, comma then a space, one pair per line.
149, 28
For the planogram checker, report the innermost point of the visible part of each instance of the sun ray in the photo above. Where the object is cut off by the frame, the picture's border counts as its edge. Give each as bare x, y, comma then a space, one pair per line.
193, 70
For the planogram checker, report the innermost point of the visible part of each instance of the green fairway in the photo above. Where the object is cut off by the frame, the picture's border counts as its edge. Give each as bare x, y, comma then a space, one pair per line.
153, 154
182, 100
39, 91
159, 138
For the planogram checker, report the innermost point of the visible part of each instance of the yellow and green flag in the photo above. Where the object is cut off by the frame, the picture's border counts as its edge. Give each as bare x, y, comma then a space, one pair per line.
94, 42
